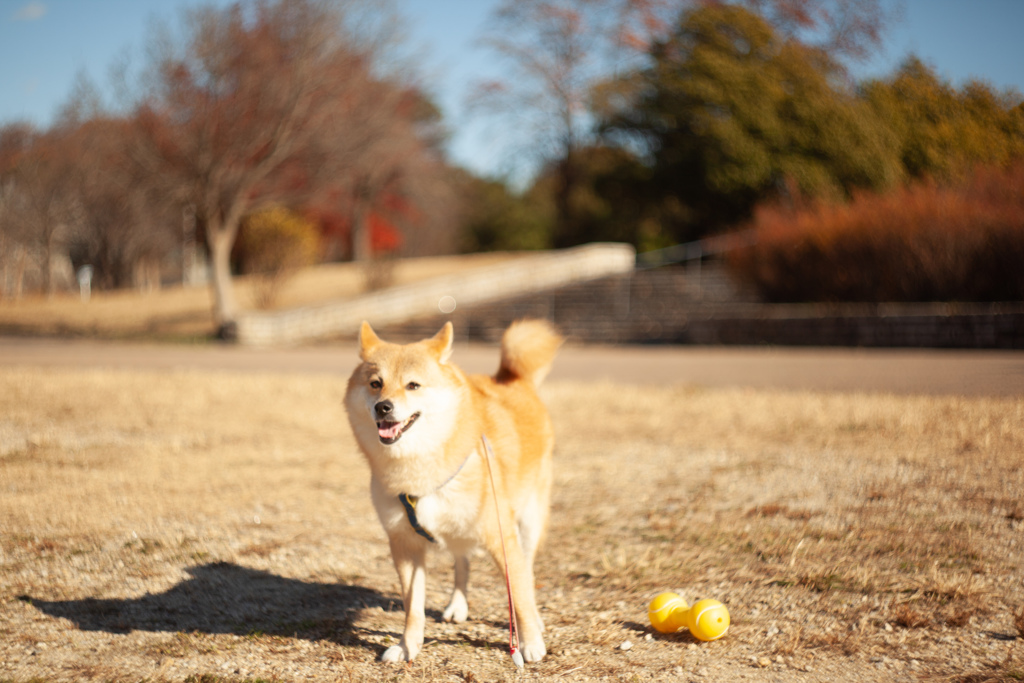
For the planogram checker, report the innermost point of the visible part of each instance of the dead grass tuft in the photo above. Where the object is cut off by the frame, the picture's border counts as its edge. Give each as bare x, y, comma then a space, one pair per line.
790, 643
959, 617
907, 616
186, 644
772, 510
1008, 670
848, 643
260, 549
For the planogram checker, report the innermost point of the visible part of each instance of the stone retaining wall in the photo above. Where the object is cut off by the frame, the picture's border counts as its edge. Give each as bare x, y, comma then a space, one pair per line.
690, 306
975, 326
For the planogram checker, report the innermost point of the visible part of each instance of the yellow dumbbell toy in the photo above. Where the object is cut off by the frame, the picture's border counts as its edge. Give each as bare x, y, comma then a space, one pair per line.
667, 613
708, 620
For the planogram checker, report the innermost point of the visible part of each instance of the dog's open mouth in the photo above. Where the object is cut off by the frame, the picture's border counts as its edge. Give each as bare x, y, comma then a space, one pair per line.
391, 431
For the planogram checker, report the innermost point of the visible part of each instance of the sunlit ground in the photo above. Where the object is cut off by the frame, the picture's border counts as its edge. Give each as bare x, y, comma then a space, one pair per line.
164, 525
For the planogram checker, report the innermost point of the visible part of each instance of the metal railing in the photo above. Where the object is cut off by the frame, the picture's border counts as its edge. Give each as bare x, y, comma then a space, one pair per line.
696, 250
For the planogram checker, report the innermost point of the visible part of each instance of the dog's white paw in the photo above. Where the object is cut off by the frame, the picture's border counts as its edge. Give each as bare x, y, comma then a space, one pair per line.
397, 653
457, 610
534, 651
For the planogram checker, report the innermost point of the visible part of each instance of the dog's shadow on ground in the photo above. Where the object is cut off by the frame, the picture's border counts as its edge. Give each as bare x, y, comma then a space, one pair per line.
225, 598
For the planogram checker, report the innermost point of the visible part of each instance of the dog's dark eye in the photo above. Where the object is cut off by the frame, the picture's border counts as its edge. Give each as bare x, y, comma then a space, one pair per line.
376, 384
412, 386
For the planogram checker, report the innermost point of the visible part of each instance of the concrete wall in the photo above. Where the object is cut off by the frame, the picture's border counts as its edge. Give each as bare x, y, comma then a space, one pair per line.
544, 271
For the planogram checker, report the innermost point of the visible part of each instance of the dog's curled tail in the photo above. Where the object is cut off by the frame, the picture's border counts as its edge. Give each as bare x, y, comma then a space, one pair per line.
528, 348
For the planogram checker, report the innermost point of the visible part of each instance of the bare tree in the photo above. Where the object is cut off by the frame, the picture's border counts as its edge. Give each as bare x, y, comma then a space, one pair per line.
554, 52
846, 29
15, 141
405, 181
122, 225
37, 206
269, 102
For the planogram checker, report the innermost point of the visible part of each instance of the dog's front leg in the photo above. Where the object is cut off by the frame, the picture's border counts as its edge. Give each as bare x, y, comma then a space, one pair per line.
458, 607
410, 562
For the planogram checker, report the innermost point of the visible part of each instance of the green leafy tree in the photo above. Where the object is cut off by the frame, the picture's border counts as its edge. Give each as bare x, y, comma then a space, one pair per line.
942, 131
557, 51
496, 219
731, 113
552, 50
612, 201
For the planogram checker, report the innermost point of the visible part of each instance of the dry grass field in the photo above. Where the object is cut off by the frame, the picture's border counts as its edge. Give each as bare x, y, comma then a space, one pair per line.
185, 313
205, 527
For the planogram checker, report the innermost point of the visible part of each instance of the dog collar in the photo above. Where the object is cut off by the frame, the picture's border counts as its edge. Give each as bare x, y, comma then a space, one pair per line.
409, 503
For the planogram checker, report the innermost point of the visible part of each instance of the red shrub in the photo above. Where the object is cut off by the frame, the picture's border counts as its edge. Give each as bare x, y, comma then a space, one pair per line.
924, 242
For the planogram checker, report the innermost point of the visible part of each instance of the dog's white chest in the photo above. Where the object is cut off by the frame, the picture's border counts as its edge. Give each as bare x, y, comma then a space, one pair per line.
446, 517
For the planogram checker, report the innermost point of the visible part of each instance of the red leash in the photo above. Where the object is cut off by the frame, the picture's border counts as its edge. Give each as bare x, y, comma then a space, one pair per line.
513, 627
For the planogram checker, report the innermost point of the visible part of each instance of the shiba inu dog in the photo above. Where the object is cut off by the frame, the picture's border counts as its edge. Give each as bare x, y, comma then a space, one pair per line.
421, 423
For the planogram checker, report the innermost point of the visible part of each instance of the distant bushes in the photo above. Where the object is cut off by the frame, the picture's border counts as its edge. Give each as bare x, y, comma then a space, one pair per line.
923, 242
273, 245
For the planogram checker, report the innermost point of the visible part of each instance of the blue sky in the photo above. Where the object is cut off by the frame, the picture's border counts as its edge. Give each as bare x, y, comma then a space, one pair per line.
44, 44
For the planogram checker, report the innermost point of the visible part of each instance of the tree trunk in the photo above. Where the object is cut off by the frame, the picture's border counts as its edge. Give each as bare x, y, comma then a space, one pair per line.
20, 264
225, 309
5, 265
362, 244
47, 265
566, 230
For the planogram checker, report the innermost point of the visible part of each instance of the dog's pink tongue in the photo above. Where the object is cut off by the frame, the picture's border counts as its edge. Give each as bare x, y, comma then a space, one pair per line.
389, 430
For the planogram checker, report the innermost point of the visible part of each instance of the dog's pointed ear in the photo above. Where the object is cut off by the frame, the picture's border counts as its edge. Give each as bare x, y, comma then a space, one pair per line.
441, 343
368, 340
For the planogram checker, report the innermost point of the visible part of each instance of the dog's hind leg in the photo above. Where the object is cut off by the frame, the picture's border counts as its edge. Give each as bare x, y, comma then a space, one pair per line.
458, 607
410, 561
531, 522
532, 511
531, 528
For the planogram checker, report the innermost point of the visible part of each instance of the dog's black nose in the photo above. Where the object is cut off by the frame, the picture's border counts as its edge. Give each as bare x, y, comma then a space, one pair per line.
383, 409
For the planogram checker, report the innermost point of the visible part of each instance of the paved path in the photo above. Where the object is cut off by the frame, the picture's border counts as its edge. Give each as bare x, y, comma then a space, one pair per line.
993, 373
